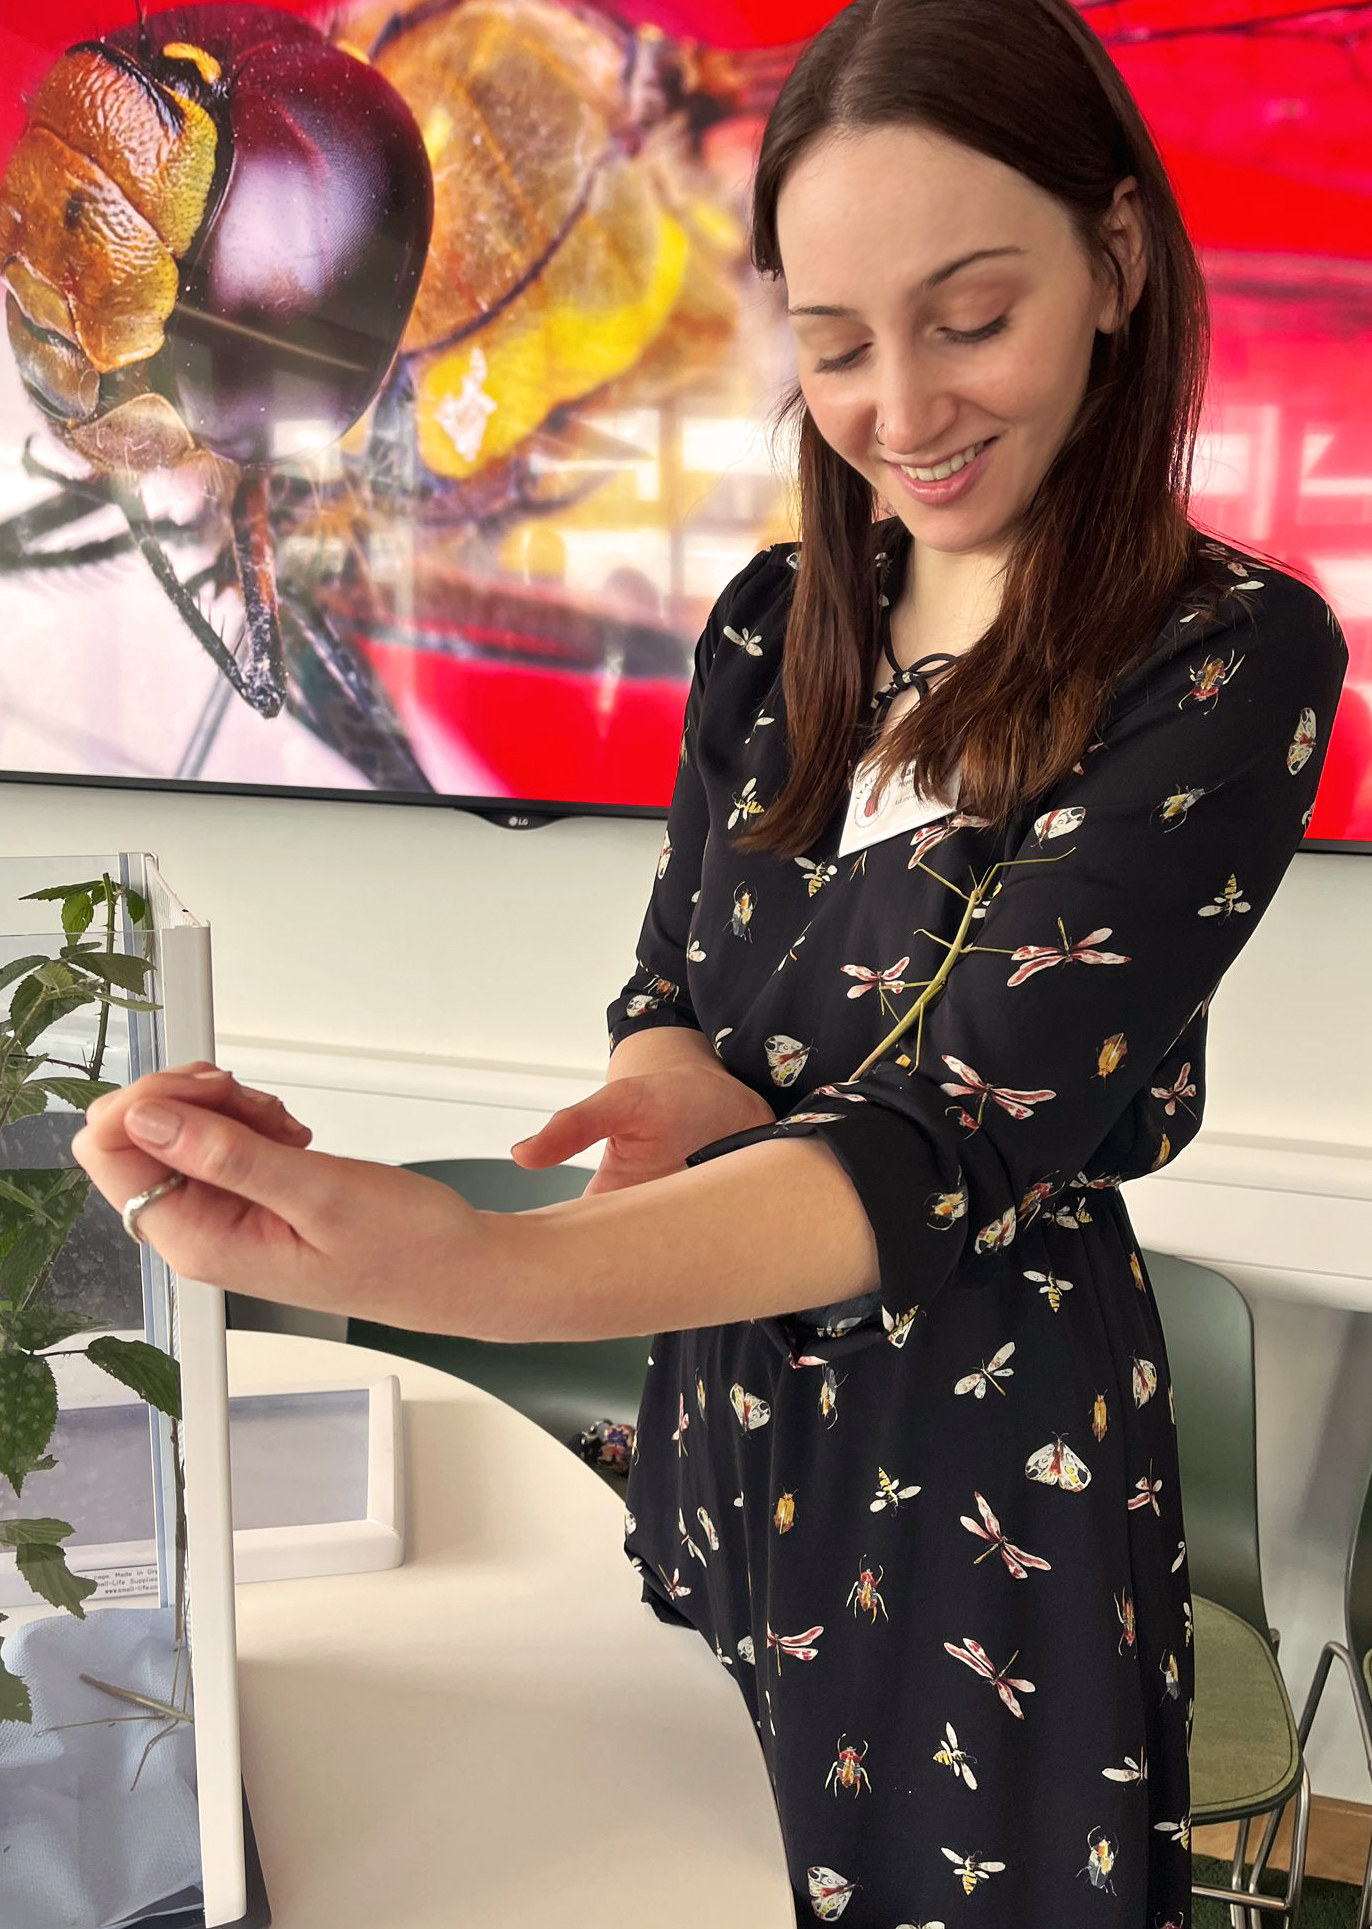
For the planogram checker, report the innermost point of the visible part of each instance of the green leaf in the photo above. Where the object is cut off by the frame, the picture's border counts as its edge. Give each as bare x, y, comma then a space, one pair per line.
26, 1103
79, 1092
14, 1696
10, 972
22, 1533
152, 1374
35, 1328
28, 1414
43, 1564
77, 911
50, 893
137, 906
41, 1001
30, 1242
118, 967
27, 1191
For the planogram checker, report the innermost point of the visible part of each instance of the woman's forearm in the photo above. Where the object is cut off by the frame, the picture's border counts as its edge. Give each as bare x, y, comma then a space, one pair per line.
756, 1232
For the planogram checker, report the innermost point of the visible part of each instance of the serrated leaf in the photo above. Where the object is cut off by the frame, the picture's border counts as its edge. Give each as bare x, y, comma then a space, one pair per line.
28, 1414
25, 1103
37, 1004
152, 1374
20, 1533
19, 966
43, 1564
79, 1092
29, 1243
117, 967
35, 1328
14, 1696
51, 892
28, 1192
77, 911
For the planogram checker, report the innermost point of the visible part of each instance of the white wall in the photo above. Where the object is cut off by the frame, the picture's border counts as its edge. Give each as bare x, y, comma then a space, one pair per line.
394, 930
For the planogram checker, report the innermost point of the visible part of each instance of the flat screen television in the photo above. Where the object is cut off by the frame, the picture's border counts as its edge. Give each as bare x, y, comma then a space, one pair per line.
487, 586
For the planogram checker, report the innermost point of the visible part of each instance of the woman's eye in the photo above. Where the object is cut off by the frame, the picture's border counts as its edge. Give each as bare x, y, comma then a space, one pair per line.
976, 334
962, 336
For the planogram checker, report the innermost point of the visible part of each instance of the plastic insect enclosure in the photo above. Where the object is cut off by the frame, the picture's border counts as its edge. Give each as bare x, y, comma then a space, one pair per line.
121, 1800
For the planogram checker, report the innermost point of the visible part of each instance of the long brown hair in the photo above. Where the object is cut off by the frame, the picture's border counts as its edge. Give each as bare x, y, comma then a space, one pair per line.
1101, 552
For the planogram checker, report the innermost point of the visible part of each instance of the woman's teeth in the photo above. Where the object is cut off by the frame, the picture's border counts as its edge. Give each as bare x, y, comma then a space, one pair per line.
948, 468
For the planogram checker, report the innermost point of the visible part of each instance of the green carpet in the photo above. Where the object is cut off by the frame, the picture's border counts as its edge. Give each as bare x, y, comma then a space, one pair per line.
1324, 1905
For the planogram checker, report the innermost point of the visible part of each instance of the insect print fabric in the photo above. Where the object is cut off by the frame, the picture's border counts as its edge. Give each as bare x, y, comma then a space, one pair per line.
948, 1571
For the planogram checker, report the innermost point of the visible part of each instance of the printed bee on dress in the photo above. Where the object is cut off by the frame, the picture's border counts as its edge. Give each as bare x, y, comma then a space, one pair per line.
1100, 1861
742, 914
784, 1516
1180, 1832
746, 804
1100, 1418
749, 641
898, 1329
997, 1234
1175, 809
830, 1893
1058, 823
785, 1058
1145, 1379
847, 1771
1227, 903
828, 1396
1124, 1608
946, 1208
1302, 743
971, 1869
750, 1412
817, 874
975, 1656
1057, 1466
988, 1373
865, 1592
1133, 1771
1171, 1680
890, 1493
1051, 1287
800, 1647
1014, 1557
949, 1755
1209, 680
700, 1394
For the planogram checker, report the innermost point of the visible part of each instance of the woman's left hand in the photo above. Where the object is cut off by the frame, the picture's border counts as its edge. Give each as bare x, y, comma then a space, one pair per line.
263, 1215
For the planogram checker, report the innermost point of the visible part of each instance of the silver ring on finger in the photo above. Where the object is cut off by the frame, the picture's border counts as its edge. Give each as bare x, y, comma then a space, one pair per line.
135, 1205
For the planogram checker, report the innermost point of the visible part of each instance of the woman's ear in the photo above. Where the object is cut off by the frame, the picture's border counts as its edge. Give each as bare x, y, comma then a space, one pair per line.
1122, 232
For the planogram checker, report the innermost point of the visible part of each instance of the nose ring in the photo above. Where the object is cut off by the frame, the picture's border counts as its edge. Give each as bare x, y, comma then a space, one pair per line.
880, 426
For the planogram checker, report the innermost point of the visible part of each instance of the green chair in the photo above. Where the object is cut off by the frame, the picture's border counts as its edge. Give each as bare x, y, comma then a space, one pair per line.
565, 1386
1246, 1752
1356, 1656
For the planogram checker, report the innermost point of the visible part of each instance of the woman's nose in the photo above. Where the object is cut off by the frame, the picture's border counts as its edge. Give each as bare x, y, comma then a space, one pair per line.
913, 414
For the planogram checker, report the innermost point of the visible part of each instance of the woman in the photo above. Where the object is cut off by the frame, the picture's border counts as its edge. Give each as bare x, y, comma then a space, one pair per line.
931, 1523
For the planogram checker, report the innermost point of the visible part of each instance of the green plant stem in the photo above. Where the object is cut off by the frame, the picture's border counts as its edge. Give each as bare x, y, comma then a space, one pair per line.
102, 1030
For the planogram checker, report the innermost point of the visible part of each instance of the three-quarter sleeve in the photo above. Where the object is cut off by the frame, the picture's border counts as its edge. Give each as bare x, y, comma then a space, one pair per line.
658, 993
1043, 1061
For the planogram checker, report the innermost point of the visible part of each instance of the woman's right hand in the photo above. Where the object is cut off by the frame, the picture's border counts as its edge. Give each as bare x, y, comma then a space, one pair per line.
650, 1121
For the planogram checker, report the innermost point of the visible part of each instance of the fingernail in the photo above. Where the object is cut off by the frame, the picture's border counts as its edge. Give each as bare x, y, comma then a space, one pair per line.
154, 1123
217, 1072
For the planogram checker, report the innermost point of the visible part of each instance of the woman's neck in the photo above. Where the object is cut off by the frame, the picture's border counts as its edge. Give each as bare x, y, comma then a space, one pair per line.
945, 602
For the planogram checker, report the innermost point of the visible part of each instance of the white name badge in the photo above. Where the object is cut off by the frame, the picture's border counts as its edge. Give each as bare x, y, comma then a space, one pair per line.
903, 808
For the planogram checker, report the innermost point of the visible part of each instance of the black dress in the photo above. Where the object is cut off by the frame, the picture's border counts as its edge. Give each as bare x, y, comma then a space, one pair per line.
935, 1535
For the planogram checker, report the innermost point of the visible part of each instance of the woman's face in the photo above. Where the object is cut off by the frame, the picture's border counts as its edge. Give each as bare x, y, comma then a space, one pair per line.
958, 309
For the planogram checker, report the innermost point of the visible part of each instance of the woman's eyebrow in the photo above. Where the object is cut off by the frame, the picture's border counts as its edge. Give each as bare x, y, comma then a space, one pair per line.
935, 280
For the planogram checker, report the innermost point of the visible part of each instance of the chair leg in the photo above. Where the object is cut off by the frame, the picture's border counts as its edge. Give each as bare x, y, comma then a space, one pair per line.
1303, 1727
1239, 1917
